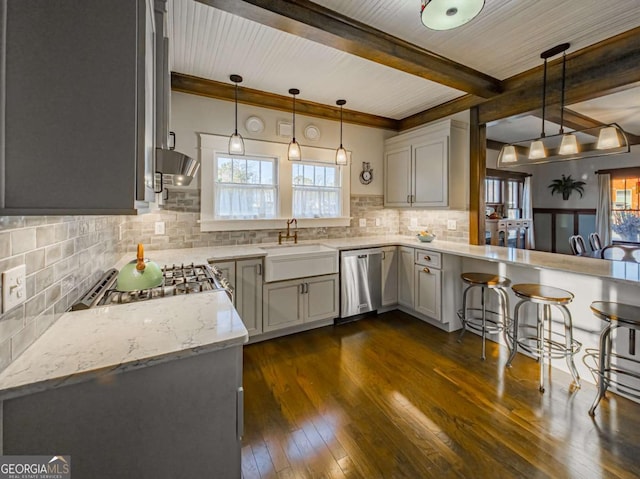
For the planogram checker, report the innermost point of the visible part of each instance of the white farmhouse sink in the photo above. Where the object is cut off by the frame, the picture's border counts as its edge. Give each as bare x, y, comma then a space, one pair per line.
299, 261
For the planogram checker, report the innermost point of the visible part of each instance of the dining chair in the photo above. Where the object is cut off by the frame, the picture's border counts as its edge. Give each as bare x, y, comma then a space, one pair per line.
577, 244
595, 242
621, 253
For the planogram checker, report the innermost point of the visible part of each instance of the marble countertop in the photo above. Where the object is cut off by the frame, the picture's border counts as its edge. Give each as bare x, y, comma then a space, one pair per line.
93, 343
614, 270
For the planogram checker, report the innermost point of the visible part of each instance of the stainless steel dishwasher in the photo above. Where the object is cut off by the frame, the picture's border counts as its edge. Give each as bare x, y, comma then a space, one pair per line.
360, 281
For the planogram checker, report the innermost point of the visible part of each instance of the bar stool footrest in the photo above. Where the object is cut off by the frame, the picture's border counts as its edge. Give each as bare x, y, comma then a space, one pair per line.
494, 323
550, 349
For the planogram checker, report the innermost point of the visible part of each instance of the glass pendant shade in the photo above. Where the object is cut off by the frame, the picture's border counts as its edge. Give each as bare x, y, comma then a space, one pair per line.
608, 138
508, 154
341, 153
294, 153
448, 14
236, 143
569, 145
341, 156
537, 151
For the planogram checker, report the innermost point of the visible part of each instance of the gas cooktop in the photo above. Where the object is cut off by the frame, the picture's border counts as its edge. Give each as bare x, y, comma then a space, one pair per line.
178, 280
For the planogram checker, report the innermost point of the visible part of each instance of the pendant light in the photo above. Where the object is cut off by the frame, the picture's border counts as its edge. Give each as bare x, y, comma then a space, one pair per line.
611, 139
294, 152
448, 14
569, 144
341, 153
236, 143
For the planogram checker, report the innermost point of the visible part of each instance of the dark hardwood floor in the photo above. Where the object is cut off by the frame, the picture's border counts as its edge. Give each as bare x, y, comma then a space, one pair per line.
394, 397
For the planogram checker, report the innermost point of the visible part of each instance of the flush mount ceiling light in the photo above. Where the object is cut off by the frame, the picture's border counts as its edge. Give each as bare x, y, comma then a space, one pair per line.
236, 143
448, 14
341, 153
294, 152
590, 142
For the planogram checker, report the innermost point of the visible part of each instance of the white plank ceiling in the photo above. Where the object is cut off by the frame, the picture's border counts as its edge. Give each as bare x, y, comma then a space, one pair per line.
505, 39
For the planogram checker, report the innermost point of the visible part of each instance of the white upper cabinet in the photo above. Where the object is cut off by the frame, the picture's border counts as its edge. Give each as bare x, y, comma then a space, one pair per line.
428, 167
78, 116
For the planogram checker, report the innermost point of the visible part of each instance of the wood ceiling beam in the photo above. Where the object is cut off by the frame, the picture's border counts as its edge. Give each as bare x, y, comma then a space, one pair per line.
451, 107
226, 91
592, 72
597, 70
319, 24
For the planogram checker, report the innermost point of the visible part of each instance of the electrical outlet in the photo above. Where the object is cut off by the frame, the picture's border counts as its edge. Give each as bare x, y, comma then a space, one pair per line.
413, 222
159, 227
378, 222
363, 222
13, 287
452, 224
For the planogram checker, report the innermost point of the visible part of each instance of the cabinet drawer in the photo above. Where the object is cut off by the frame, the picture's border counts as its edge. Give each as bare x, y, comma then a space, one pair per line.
427, 258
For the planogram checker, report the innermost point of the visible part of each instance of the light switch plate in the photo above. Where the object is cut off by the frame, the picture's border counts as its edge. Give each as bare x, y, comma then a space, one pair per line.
378, 222
452, 224
413, 222
363, 222
13, 287
159, 227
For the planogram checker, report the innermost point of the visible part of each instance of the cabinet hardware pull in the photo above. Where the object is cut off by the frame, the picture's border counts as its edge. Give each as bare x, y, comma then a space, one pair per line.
426, 270
240, 412
384, 255
259, 266
306, 288
428, 258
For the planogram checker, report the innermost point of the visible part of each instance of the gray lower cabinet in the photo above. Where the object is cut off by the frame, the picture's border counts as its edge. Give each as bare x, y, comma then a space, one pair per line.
428, 288
248, 294
389, 275
245, 277
77, 106
298, 301
405, 276
178, 419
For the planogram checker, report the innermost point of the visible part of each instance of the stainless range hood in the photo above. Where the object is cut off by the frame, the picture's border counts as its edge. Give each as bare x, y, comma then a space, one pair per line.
171, 162
182, 167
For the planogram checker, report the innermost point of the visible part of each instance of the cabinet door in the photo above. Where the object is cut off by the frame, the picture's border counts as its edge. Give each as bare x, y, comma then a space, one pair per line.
430, 180
282, 304
321, 298
389, 276
397, 177
248, 297
428, 291
405, 277
78, 116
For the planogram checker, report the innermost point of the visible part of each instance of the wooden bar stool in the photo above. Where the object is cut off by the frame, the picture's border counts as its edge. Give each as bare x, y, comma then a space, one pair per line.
538, 345
616, 315
487, 321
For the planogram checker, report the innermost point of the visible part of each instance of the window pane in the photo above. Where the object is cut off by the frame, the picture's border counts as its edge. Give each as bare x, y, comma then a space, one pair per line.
267, 172
625, 209
316, 191
246, 188
239, 170
224, 170
332, 177
253, 171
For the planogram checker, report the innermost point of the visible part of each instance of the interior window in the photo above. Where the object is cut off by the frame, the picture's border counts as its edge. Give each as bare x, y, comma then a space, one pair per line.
245, 187
316, 191
503, 194
625, 208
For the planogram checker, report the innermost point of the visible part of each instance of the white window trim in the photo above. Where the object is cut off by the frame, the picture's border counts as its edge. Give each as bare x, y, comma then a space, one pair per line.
210, 144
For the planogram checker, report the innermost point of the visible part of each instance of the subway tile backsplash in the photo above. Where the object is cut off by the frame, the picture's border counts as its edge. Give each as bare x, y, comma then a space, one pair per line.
66, 255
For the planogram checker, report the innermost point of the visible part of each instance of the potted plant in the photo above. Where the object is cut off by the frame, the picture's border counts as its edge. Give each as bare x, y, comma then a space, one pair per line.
566, 185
